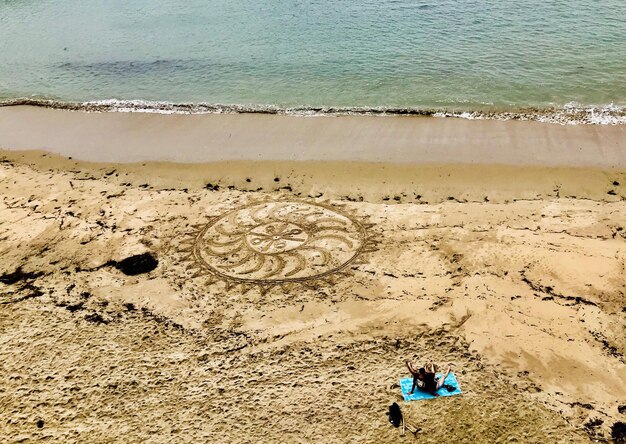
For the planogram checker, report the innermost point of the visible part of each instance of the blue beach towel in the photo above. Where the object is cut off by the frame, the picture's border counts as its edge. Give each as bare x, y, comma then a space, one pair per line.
407, 383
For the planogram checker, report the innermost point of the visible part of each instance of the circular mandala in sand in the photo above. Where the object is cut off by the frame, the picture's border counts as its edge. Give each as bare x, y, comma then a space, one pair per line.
275, 243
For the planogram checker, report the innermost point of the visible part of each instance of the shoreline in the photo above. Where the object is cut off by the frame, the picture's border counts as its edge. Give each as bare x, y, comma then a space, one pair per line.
568, 114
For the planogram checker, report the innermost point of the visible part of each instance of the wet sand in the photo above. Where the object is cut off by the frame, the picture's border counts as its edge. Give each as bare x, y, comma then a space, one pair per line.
514, 273
139, 137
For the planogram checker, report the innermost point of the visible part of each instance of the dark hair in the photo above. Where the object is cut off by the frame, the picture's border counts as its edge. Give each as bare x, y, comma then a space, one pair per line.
430, 383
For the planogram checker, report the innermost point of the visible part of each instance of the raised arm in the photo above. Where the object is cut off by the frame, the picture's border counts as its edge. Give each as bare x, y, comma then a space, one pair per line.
409, 365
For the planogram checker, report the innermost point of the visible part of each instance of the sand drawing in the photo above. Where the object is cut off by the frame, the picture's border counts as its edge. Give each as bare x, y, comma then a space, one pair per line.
280, 243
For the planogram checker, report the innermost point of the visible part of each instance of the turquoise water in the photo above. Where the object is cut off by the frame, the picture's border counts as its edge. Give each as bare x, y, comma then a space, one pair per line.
458, 55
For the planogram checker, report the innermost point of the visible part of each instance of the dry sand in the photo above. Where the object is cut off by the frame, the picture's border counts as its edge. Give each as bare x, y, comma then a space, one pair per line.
513, 273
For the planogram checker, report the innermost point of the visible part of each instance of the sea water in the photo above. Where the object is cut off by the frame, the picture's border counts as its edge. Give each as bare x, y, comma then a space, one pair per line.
528, 58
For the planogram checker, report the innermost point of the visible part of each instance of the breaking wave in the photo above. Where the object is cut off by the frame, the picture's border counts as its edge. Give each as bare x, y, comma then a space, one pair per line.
570, 114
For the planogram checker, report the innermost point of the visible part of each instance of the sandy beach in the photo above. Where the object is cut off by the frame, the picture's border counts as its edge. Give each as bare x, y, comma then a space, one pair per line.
290, 266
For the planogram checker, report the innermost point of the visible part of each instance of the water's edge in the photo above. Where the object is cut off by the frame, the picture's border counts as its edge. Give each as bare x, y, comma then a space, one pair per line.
570, 114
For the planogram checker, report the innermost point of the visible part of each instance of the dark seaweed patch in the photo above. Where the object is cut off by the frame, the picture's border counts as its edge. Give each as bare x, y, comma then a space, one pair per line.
95, 318
71, 307
594, 423
618, 432
582, 405
19, 276
125, 68
138, 264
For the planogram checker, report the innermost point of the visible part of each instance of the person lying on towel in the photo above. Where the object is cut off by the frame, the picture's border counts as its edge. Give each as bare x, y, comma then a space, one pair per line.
425, 378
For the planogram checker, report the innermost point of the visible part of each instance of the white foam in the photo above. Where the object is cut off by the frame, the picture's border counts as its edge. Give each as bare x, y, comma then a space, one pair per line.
570, 114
